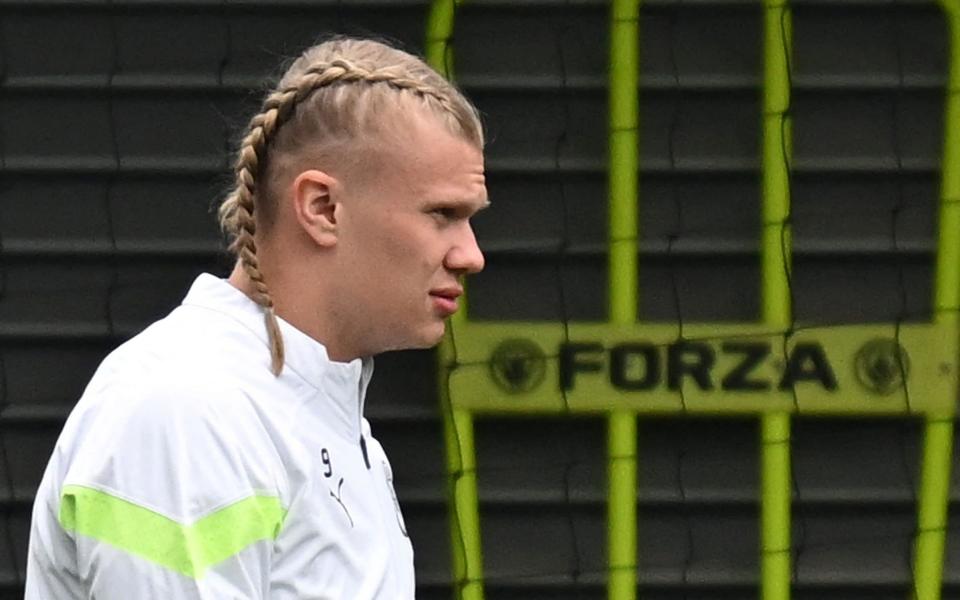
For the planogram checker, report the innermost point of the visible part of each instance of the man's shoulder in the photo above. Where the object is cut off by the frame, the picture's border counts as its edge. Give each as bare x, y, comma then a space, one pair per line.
194, 335
190, 385
153, 422
131, 408
176, 373
185, 352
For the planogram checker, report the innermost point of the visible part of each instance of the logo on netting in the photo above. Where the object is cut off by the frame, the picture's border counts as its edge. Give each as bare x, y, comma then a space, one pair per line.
518, 365
882, 366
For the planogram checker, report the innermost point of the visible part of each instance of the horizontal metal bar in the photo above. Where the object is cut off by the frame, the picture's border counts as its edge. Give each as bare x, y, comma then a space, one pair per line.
245, 85
511, 166
180, 250
518, 586
709, 502
65, 332
596, 501
712, 504
209, 83
694, 247
881, 5
132, 166
44, 414
207, 6
525, 5
696, 584
854, 83
500, 251
14, 415
258, 6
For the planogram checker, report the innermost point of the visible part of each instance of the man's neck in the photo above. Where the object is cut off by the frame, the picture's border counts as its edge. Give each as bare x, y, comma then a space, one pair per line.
304, 313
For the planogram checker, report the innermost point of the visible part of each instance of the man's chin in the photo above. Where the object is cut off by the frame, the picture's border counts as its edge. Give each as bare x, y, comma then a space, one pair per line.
433, 335
437, 336
427, 338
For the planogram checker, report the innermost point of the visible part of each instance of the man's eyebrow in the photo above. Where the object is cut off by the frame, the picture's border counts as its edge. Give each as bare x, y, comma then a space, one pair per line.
475, 204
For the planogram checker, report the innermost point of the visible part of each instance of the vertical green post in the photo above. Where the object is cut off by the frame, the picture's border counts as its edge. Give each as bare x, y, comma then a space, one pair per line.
624, 107
776, 261
947, 283
938, 429
932, 513
467, 556
622, 273
464, 511
775, 508
438, 50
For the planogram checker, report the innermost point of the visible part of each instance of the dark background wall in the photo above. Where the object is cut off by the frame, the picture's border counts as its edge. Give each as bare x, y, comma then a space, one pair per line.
116, 120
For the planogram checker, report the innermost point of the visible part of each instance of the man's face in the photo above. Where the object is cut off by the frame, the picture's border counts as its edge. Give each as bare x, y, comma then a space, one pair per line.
405, 239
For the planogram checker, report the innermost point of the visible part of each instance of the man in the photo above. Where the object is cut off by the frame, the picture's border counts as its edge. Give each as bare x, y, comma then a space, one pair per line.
222, 453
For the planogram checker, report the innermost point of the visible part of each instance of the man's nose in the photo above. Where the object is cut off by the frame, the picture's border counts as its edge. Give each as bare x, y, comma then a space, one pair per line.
465, 256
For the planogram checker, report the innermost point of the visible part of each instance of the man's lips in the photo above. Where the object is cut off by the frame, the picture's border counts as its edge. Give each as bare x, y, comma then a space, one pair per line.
445, 299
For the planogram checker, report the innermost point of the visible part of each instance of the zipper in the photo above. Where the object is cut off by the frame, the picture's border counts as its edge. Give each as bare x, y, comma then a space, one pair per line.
363, 448
361, 398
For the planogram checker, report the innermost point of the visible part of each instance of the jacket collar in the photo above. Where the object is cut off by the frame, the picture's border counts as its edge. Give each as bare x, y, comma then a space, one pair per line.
345, 383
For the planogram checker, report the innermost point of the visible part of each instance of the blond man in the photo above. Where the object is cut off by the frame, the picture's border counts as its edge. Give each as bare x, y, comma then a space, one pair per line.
223, 453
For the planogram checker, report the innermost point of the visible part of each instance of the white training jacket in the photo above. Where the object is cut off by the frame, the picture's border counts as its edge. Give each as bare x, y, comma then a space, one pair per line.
187, 470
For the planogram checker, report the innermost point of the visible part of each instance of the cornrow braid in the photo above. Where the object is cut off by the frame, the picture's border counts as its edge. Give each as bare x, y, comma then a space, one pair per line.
239, 207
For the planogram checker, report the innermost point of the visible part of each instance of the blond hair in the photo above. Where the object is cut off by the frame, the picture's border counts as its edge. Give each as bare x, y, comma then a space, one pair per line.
335, 93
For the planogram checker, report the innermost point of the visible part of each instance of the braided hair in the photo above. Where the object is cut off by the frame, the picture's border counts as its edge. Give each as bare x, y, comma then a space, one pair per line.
334, 93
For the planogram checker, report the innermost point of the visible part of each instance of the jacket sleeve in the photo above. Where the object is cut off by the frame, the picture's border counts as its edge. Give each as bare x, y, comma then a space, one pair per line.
172, 495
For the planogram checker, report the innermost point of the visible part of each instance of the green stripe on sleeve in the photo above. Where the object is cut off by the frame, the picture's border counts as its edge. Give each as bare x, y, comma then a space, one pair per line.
187, 549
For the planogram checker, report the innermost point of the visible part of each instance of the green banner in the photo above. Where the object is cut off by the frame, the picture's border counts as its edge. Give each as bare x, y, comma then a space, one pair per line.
710, 369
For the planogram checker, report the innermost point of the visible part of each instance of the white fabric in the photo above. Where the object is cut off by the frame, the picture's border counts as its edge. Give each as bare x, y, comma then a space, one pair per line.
186, 419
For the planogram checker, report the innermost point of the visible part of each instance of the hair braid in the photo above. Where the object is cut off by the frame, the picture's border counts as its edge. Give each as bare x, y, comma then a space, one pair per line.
239, 207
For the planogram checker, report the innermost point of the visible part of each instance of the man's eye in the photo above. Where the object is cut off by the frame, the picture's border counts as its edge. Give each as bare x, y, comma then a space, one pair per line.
444, 213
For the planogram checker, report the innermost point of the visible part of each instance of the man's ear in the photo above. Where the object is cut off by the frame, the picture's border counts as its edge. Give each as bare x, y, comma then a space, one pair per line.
315, 206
